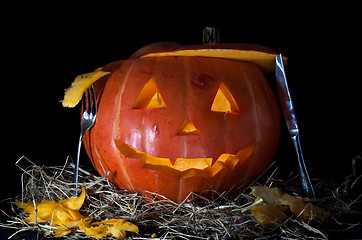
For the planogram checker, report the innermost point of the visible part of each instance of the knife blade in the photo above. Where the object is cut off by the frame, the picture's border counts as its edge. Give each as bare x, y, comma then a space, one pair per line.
292, 124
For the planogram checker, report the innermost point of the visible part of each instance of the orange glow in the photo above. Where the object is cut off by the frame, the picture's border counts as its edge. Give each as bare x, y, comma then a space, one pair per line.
224, 101
149, 97
186, 167
187, 128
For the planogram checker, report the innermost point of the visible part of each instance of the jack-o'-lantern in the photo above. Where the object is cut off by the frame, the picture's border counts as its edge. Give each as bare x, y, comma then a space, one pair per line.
176, 120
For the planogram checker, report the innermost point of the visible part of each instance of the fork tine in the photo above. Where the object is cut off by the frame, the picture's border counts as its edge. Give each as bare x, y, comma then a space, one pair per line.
84, 102
89, 109
94, 106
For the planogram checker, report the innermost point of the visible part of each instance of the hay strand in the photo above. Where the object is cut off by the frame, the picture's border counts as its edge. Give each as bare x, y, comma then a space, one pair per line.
227, 216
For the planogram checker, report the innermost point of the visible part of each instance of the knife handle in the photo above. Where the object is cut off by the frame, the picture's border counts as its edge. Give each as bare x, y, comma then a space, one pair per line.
304, 177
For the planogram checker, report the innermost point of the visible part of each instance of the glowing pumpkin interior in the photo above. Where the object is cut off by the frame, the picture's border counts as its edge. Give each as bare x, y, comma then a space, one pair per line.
185, 167
149, 97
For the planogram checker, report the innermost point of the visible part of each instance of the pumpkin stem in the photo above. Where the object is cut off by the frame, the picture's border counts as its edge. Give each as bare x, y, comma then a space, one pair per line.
210, 35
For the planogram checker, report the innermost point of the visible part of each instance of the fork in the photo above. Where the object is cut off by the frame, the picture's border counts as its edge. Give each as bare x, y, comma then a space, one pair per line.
87, 121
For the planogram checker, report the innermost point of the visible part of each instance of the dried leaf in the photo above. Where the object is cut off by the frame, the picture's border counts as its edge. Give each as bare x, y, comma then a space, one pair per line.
56, 213
267, 215
276, 203
112, 227
64, 216
270, 196
95, 231
74, 203
302, 209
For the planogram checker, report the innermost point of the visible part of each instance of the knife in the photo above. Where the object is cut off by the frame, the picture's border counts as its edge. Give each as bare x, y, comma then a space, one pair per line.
292, 125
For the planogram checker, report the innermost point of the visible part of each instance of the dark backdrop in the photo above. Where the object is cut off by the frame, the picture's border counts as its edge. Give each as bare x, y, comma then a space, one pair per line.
45, 47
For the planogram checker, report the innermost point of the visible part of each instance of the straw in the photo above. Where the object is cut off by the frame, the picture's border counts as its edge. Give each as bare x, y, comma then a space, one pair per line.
227, 216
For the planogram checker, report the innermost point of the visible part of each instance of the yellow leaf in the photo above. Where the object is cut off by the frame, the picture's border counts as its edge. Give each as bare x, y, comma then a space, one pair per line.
276, 203
116, 231
64, 230
93, 231
64, 216
302, 209
74, 203
115, 227
267, 215
270, 196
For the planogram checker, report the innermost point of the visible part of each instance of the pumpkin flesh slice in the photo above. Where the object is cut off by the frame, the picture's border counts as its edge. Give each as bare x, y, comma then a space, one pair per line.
264, 60
74, 93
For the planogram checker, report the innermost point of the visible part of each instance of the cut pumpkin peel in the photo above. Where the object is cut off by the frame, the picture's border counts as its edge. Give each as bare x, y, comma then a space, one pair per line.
64, 217
264, 60
271, 206
74, 93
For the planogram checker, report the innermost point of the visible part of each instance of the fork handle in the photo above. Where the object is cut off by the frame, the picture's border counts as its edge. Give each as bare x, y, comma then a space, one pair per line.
304, 177
76, 167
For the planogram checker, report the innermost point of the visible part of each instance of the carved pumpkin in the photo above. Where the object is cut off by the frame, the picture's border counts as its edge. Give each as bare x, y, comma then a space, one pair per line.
176, 120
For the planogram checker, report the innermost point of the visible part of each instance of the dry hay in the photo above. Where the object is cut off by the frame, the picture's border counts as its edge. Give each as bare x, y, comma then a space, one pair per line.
227, 216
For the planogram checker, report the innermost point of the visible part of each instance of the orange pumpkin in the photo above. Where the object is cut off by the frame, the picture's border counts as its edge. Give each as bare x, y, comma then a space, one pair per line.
175, 120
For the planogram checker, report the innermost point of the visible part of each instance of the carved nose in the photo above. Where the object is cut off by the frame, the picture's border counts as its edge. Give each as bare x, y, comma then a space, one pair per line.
187, 128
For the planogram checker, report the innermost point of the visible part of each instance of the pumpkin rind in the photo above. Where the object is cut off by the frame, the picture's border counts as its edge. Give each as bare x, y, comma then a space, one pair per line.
188, 86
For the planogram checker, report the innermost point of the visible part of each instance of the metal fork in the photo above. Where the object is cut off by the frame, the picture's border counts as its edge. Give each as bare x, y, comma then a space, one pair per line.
87, 121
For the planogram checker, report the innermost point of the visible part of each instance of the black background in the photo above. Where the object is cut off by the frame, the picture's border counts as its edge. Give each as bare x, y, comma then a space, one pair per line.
45, 47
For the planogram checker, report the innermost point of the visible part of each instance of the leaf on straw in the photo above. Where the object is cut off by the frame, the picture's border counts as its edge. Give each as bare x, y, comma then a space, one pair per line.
64, 216
267, 215
276, 203
74, 203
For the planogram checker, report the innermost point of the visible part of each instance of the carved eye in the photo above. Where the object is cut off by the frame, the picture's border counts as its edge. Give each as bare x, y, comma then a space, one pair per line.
224, 101
149, 97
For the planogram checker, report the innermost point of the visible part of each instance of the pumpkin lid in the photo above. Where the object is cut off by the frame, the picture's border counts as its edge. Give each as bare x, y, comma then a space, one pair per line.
262, 56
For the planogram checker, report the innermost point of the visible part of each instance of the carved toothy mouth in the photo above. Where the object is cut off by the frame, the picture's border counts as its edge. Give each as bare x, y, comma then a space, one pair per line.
186, 167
